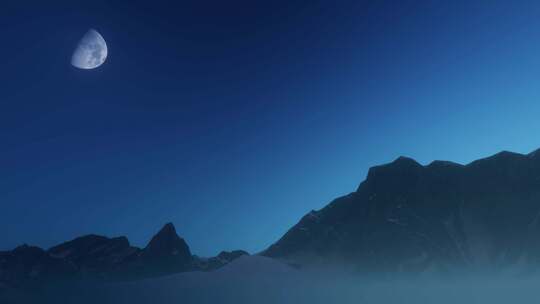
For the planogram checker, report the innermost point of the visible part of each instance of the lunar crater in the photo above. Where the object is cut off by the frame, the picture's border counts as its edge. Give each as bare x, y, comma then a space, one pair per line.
91, 52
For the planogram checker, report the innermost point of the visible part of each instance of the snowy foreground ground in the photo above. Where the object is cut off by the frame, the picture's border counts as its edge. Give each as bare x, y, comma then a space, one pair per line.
262, 280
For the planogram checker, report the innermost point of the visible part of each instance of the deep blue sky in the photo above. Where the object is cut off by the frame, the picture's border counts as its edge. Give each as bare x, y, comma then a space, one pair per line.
232, 119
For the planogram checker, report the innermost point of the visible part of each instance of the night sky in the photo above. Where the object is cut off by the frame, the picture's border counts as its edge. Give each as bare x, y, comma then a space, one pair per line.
232, 119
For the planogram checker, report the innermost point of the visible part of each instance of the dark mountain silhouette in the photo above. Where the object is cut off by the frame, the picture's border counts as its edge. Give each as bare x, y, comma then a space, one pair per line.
166, 243
442, 217
403, 217
94, 257
26, 265
165, 253
93, 254
222, 259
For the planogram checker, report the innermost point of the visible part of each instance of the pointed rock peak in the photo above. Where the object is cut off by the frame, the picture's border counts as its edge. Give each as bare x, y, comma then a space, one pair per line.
167, 243
167, 233
168, 229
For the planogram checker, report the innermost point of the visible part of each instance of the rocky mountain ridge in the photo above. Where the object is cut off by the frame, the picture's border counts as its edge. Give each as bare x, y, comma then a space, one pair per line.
94, 257
440, 217
404, 217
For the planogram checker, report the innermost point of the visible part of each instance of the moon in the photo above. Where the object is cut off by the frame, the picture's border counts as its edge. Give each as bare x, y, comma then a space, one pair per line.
91, 51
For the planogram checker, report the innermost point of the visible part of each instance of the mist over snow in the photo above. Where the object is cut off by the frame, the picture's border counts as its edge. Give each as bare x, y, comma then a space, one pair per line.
255, 279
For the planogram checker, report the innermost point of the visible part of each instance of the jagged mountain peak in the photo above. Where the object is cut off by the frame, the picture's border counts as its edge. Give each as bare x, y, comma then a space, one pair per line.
168, 228
167, 243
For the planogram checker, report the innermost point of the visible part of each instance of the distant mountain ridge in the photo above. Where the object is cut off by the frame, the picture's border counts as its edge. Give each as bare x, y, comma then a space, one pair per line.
94, 257
440, 217
404, 217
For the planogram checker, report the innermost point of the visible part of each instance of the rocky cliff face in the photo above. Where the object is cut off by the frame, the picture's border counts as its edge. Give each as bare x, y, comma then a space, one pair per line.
165, 253
444, 217
166, 243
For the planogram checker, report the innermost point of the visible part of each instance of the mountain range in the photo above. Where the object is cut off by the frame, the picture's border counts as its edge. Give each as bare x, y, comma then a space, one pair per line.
404, 217
441, 217
94, 257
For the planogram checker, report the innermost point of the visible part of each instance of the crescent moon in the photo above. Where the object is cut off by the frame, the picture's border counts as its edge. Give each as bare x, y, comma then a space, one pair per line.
91, 51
